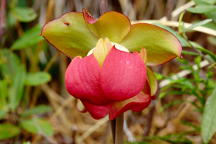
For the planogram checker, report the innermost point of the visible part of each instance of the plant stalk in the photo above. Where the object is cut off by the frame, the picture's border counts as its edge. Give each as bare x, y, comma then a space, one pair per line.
117, 129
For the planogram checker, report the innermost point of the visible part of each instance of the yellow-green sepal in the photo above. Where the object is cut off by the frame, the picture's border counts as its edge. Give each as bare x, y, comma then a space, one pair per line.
70, 34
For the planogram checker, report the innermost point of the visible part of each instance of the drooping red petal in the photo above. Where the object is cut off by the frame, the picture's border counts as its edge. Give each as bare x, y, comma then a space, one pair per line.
96, 111
83, 80
136, 103
123, 75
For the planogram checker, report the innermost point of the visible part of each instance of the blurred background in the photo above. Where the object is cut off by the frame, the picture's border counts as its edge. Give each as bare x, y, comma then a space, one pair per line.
36, 109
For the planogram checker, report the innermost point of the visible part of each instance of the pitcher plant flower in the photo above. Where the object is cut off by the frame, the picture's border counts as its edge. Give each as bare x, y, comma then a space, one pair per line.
112, 75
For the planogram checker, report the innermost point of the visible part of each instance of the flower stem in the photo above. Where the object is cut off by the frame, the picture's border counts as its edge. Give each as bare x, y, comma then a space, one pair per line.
117, 129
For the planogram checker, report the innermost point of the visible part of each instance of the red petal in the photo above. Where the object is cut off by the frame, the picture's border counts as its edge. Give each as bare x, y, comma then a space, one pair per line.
123, 75
96, 111
136, 103
83, 80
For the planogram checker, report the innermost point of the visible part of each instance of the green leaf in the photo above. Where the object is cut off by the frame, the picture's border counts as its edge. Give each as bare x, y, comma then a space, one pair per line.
70, 34
205, 1
202, 9
212, 15
34, 79
195, 127
3, 94
28, 39
211, 25
37, 126
24, 14
190, 53
40, 109
8, 131
16, 91
3, 98
9, 63
208, 126
14, 72
160, 44
190, 28
172, 103
178, 138
200, 48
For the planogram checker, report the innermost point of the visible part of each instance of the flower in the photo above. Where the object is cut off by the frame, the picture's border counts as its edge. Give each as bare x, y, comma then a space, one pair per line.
113, 77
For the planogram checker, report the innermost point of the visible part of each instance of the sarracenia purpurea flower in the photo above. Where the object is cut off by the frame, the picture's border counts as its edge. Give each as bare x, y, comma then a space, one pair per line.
112, 77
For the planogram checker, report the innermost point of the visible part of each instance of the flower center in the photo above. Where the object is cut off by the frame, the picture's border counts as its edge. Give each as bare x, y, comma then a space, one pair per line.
117, 46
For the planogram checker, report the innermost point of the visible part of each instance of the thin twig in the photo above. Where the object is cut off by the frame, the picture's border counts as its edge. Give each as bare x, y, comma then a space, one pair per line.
149, 120
92, 129
180, 9
61, 108
53, 97
128, 133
